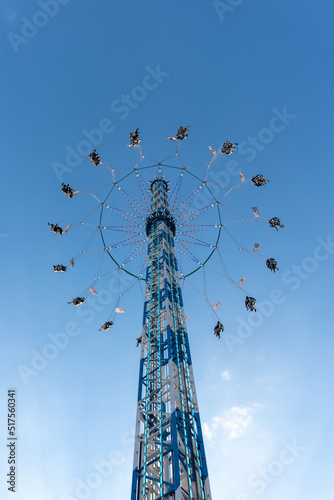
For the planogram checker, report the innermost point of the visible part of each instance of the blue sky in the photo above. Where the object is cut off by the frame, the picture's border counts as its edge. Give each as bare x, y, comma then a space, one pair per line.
255, 73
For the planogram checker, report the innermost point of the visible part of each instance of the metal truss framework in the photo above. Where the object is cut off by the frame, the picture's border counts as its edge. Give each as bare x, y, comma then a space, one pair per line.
169, 456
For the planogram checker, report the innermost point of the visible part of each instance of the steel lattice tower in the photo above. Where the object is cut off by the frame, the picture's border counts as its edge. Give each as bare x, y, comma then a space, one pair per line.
169, 456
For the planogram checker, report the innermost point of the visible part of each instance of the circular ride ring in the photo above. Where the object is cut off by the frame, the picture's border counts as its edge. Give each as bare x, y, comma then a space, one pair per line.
179, 212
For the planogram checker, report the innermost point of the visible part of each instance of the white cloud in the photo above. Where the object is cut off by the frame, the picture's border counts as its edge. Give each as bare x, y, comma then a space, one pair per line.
226, 375
237, 422
208, 433
234, 422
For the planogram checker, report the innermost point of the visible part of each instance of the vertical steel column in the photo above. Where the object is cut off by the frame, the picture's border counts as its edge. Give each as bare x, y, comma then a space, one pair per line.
169, 456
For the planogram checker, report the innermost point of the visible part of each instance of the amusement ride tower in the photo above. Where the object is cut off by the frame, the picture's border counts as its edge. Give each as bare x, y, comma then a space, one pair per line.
169, 456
